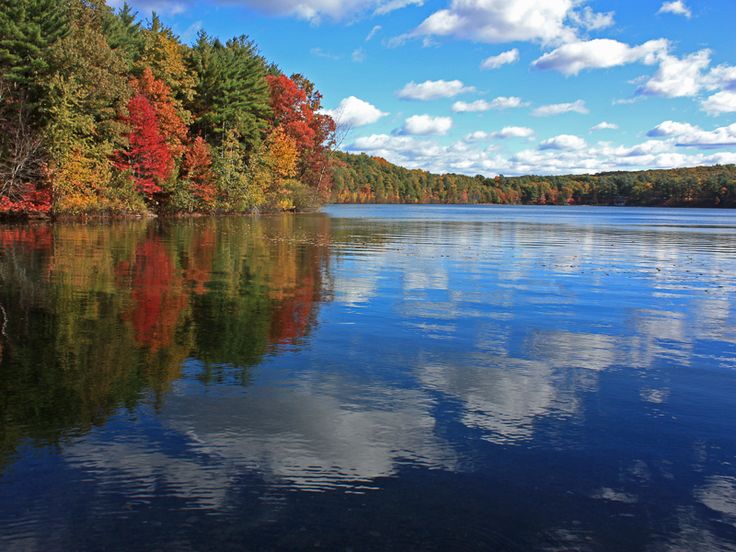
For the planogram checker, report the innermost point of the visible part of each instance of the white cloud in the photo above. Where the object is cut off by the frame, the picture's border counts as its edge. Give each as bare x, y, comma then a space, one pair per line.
592, 21
721, 102
498, 21
678, 77
563, 142
358, 55
604, 125
423, 125
161, 7
560, 108
502, 102
504, 58
433, 90
501, 21
601, 53
477, 136
354, 112
722, 76
671, 128
514, 132
374, 31
691, 136
393, 5
466, 157
319, 52
677, 7
310, 10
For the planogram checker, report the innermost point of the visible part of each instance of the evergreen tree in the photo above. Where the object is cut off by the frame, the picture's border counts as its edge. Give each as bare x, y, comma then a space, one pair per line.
28, 28
231, 92
125, 34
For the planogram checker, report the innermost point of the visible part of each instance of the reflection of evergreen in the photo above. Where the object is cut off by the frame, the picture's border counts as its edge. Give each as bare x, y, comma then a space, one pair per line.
99, 315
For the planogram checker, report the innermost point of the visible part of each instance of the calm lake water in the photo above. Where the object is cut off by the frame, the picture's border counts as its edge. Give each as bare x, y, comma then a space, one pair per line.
371, 378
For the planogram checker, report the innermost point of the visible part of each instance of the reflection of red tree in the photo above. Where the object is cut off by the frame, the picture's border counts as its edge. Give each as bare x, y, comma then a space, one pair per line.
36, 238
158, 295
292, 316
198, 264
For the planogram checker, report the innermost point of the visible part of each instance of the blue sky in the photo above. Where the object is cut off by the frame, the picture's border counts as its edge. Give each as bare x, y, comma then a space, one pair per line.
503, 86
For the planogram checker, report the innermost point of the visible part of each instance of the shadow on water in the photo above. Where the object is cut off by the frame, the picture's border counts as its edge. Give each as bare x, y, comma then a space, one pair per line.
371, 379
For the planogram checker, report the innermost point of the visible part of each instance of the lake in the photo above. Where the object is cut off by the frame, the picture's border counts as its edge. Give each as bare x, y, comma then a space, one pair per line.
371, 378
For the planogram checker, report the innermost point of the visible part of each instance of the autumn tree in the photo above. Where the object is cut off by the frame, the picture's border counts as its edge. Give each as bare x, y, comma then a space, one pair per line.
85, 97
296, 107
198, 176
147, 157
235, 191
158, 93
165, 55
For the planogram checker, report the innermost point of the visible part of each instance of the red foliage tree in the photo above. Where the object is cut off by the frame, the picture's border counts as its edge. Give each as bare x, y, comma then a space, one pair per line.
148, 156
291, 110
173, 128
32, 201
197, 169
296, 105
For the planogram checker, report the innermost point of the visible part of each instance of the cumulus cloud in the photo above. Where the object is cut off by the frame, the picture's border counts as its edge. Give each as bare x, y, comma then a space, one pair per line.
691, 136
499, 21
601, 53
354, 112
678, 7
514, 132
560, 108
502, 102
469, 158
563, 142
721, 102
604, 125
433, 90
424, 125
504, 58
678, 77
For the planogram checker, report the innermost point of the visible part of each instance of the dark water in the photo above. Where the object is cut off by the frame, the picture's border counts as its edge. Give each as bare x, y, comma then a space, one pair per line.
393, 378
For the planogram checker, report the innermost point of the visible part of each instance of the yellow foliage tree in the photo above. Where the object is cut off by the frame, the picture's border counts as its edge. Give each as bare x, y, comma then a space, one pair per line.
275, 165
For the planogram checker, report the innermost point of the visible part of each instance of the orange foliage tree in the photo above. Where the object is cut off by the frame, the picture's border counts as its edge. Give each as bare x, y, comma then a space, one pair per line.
197, 171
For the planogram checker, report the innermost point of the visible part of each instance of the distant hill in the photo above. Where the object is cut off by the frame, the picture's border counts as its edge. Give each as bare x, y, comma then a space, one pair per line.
365, 179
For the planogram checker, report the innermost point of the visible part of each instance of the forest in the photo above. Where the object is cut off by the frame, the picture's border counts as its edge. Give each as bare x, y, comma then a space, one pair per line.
103, 113
365, 179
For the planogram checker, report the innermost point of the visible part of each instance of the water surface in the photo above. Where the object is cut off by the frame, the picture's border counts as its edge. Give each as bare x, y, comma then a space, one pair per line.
371, 378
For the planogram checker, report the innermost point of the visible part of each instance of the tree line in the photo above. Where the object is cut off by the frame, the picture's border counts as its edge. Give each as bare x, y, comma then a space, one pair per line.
101, 112
366, 179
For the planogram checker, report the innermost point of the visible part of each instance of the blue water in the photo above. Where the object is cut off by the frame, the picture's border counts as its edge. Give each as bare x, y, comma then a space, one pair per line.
372, 378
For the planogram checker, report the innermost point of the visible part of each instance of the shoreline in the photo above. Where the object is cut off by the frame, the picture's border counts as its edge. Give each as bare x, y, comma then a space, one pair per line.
116, 217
